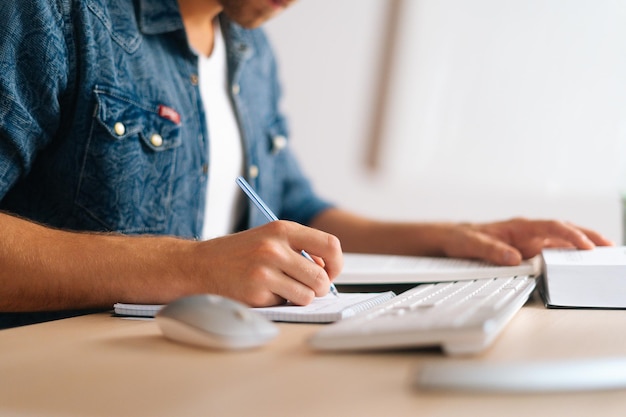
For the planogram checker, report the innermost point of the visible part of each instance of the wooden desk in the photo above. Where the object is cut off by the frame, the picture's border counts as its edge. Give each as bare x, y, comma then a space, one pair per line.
101, 366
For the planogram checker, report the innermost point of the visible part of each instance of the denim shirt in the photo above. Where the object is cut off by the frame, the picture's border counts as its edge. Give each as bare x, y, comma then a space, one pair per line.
102, 127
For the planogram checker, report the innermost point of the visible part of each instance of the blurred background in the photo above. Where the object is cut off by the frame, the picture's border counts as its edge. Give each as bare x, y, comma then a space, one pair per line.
469, 110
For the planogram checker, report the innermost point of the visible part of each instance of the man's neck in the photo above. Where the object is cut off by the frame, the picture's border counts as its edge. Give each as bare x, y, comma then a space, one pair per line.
198, 17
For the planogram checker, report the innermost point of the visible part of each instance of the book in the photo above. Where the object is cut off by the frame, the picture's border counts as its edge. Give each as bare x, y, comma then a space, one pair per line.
393, 269
327, 309
584, 278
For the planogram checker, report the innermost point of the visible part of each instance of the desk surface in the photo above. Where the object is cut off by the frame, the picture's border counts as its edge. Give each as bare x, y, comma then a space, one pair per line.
100, 365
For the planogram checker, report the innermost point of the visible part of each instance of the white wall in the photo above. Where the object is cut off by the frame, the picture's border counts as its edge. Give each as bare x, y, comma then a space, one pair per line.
498, 108
329, 52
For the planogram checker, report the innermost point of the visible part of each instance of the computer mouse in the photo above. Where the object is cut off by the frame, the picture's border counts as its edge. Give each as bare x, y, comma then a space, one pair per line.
213, 321
589, 374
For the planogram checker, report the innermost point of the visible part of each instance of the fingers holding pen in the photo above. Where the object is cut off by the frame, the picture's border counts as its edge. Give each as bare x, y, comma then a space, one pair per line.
327, 255
264, 266
324, 250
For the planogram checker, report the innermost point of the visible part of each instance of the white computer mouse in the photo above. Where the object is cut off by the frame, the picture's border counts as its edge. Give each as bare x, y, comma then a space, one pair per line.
585, 374
214, 321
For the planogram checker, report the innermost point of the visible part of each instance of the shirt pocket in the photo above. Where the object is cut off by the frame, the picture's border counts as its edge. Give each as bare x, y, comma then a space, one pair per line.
126, 182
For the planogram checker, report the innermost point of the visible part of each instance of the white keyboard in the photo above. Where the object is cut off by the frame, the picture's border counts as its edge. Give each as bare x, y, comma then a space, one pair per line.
461, 317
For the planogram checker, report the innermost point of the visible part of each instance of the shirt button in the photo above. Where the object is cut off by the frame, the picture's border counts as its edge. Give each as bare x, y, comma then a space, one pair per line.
119, 128
253, 171
279, 143
236, 89
156, 140
205, 169
194, 79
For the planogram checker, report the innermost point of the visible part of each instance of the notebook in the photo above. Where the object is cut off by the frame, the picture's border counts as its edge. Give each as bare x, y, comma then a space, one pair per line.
327, 309
361, 269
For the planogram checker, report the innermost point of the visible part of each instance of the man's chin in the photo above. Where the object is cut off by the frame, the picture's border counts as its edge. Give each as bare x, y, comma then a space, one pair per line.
250, 23
254, 17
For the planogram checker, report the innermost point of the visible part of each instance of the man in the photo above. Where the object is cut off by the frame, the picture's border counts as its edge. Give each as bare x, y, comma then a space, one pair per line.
122, 127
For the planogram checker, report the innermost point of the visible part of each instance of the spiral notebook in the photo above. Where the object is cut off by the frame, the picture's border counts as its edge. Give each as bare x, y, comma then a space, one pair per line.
327, 309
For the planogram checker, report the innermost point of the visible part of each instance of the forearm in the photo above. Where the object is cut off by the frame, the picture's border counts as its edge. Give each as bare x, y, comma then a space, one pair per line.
504, 242
363, 235
47, 269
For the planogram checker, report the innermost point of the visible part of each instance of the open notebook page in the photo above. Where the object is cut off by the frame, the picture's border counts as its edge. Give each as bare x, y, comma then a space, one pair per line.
393, 269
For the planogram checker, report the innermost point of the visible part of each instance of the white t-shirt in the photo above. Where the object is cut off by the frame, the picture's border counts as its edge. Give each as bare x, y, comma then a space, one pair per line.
224, 198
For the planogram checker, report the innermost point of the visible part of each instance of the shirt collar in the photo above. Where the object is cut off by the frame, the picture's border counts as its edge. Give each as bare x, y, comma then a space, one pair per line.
162, 16
159, 16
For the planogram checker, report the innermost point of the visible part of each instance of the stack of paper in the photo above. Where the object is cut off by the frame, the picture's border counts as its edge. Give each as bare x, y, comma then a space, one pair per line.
585, 278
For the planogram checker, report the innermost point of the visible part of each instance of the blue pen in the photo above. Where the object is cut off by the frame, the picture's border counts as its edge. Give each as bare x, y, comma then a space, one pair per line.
269, 214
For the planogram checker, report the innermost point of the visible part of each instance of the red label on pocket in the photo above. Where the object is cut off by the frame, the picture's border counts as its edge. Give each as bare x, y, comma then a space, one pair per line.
169, 114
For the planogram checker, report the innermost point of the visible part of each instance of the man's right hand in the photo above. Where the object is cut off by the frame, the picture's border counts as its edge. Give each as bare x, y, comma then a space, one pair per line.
264, 266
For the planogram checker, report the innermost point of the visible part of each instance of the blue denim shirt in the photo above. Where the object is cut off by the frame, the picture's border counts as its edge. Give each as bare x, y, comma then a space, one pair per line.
102, 127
